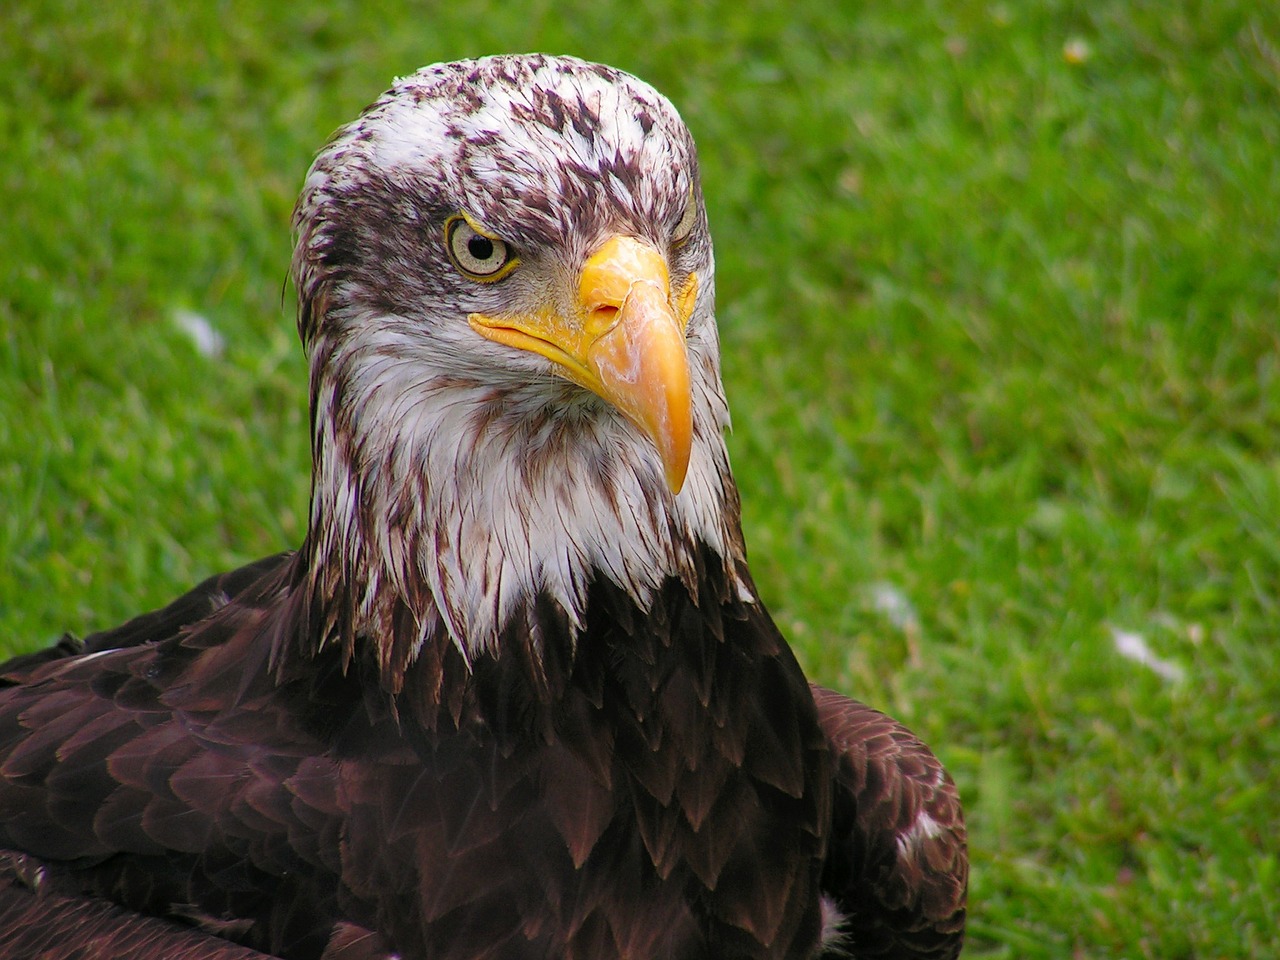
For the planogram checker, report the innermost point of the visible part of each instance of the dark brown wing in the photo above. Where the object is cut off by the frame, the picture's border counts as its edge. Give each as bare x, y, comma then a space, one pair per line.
35, 922
897, 864
193, 606
121, 770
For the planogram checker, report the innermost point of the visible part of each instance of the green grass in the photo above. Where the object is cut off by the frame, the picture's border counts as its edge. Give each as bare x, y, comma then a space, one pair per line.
998, 286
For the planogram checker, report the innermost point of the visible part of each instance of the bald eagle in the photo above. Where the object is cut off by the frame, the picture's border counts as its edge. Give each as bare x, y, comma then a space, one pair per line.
515, 695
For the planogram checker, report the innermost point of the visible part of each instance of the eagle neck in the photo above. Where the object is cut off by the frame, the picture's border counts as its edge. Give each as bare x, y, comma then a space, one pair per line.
490, 515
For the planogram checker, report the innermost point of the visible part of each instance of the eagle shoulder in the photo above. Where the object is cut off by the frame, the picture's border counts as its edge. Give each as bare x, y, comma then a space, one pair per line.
897, 866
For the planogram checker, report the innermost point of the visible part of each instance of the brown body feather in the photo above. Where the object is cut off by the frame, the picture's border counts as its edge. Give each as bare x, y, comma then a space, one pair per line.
663, 790
165, 768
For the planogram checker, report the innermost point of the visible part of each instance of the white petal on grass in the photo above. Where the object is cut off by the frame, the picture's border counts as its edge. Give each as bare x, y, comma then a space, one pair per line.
1076, 51
208, 340
894, 604
1133, 646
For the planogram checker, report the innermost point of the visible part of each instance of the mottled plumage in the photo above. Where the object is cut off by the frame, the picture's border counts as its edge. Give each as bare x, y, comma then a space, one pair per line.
515, 696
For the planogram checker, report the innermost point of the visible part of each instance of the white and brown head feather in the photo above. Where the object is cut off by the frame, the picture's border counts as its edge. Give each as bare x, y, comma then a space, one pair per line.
456, 480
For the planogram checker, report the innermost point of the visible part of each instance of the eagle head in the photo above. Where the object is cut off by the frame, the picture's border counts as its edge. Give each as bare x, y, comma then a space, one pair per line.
506, 293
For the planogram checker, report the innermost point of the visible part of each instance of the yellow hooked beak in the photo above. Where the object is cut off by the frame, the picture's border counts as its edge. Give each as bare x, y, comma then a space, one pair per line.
624, 340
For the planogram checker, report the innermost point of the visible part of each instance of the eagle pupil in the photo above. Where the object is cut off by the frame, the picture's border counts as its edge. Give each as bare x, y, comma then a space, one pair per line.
480, 247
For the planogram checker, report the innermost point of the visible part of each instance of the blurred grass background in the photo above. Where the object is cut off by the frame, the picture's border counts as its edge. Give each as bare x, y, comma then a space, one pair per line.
998, 291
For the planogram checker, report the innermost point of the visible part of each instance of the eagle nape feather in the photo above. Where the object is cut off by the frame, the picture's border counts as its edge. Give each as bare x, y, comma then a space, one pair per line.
515, 695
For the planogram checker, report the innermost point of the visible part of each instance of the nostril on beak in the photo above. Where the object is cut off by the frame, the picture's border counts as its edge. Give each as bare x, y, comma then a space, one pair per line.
603, 318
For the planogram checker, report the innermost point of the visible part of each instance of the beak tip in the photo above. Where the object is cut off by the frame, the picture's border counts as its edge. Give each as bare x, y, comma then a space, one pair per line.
676, 474
675, 446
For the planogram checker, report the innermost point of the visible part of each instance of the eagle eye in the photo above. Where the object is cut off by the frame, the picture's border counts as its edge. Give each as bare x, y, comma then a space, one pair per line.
477, 255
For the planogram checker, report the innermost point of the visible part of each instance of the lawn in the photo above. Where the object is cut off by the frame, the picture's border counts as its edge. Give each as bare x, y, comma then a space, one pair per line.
998, 287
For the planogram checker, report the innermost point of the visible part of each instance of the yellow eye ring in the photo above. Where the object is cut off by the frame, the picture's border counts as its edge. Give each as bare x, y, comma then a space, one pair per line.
477, 253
